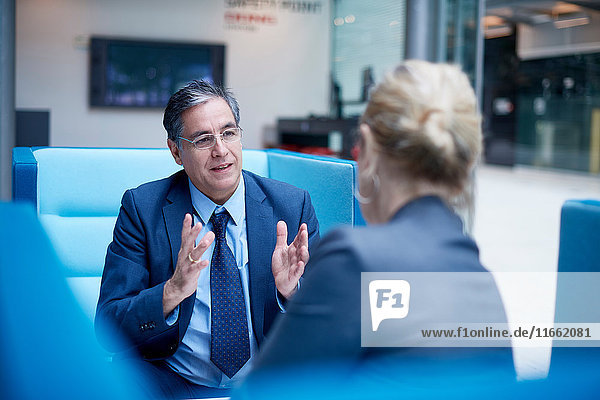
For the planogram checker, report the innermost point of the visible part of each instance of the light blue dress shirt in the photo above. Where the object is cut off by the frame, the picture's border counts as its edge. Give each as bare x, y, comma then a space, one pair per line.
192, 358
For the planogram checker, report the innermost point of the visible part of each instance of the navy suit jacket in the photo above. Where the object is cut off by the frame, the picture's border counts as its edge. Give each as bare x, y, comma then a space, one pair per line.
143, 255
322, 323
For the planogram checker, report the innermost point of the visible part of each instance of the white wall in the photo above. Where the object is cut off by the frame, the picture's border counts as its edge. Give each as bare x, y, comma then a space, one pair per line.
277, 70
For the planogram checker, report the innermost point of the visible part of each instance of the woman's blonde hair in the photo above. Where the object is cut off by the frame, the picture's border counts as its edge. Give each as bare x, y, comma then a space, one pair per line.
424, 119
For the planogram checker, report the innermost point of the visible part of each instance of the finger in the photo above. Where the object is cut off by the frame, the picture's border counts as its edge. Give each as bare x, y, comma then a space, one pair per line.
297, 271
204, 243
292, 257
302, 232
281, 234
303, 254
186, 230
276, 261
300, 269
187, 226
280, 260
200, 265
304, 235
189, 246
189, 233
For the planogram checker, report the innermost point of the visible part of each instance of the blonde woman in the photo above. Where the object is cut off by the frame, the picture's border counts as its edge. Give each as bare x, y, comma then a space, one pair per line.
420, 138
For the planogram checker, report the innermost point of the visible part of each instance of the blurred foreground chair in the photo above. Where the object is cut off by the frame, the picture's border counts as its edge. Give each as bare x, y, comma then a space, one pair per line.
579, 252
421, 379
77, 194
48, 348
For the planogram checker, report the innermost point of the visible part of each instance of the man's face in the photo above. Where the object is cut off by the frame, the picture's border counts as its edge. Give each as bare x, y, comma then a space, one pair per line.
215, 171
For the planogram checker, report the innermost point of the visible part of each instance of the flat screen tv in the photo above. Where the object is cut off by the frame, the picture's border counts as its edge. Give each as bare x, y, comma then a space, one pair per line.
133, 73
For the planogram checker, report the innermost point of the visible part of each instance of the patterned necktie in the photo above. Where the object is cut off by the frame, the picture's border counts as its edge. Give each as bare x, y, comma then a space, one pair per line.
229, 341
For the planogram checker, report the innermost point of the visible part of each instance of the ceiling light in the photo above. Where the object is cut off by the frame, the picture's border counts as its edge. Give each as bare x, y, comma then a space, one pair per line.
571, 20
493, 32
565, 8
492, 20
495, 27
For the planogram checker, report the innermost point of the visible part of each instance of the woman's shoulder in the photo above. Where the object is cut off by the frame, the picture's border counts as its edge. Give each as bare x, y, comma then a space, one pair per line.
419, 240
346, 238
351, 246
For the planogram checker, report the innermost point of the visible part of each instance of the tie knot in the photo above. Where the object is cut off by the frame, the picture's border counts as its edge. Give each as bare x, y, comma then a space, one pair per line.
219, 223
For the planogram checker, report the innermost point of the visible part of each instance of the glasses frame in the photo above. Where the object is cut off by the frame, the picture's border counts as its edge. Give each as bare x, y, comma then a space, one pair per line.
195, 140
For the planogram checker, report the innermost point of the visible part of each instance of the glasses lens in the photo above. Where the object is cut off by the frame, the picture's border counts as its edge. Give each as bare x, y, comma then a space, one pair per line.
208, 141
204, 141
231, 135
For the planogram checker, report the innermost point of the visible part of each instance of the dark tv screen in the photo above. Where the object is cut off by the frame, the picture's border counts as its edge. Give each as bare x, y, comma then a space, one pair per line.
131, 73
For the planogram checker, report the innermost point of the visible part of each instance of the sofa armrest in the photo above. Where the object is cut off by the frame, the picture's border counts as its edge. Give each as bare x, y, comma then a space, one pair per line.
24, 175
331, 183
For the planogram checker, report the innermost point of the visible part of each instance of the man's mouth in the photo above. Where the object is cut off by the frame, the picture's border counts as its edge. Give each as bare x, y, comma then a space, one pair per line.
221, 167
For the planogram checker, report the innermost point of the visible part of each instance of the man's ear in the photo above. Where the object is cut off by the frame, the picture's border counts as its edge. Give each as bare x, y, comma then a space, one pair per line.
175, 151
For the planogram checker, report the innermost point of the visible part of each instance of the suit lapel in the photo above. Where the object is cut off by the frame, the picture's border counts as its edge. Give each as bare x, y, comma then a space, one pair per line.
179, 203
261, 241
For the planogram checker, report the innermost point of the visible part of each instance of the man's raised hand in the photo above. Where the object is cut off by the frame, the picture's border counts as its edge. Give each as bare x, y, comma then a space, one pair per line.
184, 281
288, 262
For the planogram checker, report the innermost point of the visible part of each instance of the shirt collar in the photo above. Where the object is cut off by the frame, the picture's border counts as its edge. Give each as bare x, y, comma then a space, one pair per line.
235, 206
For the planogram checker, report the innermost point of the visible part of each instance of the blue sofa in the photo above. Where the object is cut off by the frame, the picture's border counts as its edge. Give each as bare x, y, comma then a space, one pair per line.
77, 194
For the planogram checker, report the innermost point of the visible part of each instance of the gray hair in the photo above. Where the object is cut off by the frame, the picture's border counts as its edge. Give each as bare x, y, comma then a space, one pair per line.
194, 93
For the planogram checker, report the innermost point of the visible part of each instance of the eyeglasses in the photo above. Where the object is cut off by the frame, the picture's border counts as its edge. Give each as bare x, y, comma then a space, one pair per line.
207, 141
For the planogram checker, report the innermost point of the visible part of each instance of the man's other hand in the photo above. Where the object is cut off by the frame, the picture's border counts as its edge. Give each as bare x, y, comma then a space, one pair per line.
184, 281
288, 262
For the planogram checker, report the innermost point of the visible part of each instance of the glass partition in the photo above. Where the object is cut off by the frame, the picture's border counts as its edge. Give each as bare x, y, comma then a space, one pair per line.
368, 40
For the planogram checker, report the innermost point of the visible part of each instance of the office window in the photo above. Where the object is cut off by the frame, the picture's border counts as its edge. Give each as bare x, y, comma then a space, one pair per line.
461, 28
368, 40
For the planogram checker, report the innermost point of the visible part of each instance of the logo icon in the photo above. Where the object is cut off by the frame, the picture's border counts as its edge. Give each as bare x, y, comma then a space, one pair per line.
389, 299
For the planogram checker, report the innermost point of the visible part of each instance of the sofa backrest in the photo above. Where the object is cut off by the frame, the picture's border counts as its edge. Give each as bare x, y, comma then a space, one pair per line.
77, 194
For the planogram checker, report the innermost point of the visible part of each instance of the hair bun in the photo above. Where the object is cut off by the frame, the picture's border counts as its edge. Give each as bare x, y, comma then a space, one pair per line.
435, 126
424, 117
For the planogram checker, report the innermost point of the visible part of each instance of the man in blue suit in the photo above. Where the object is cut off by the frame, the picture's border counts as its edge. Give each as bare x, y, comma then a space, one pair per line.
196, 301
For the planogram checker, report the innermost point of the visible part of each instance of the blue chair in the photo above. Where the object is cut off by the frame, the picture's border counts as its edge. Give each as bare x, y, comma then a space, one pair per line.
579, 251
579, 236
77, 194
48, 348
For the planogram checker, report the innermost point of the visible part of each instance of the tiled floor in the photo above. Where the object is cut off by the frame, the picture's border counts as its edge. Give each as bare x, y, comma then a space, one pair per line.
517, 221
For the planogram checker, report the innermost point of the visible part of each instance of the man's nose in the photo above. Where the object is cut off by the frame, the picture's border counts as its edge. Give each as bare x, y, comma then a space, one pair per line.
219, 149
